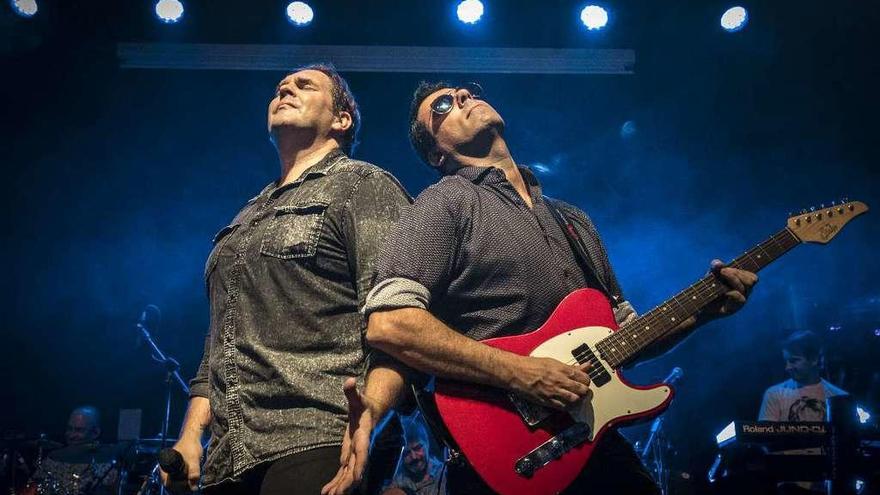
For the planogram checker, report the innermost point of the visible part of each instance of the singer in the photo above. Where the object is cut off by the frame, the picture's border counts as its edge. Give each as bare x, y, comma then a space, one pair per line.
285, 281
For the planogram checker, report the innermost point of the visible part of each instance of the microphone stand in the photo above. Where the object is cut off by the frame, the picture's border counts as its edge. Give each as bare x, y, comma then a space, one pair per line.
659, 447
172, 374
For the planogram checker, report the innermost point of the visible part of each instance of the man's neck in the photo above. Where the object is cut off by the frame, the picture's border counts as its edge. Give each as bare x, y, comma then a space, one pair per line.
419, 478
812, 380
296, 157
498, 156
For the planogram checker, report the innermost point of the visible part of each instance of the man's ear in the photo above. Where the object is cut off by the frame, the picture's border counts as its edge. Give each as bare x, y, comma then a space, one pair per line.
342, 122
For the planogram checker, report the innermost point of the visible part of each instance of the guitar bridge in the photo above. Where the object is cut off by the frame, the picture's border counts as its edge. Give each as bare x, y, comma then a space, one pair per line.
530, 412
552, 449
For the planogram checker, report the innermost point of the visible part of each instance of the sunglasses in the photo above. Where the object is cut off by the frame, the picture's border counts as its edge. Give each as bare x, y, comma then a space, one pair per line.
443, 104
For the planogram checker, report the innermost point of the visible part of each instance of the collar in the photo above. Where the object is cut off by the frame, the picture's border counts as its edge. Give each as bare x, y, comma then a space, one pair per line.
324, 167
493, 175
326, 164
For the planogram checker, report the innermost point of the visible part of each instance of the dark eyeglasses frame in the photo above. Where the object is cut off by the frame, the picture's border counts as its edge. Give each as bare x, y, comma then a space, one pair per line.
443, 104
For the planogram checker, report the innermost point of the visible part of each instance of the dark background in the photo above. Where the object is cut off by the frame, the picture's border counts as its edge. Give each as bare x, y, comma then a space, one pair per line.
116, 180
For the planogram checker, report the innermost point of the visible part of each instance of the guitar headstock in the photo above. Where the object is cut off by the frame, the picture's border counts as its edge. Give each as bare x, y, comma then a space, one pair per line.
822, 224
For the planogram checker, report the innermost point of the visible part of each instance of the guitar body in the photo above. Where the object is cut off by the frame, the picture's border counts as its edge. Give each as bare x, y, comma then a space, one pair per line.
492, 433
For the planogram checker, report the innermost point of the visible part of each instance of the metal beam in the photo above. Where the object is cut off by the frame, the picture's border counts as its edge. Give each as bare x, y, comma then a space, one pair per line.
378, 58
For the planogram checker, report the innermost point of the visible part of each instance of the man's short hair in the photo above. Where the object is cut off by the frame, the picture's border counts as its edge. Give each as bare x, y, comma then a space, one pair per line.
343, 101
420, 136
803, 343
90, 412
414, 430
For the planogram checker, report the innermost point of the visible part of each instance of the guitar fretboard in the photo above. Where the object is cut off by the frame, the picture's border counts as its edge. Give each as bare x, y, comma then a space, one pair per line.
624, 345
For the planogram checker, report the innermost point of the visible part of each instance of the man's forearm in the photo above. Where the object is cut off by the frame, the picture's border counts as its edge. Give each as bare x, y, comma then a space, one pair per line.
198, 417
383, 388
418, 339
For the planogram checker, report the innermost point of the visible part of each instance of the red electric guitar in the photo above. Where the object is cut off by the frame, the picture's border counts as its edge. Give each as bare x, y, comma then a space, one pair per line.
519, 448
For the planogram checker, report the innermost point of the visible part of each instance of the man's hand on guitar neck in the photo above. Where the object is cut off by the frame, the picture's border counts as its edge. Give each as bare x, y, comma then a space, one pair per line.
740, 283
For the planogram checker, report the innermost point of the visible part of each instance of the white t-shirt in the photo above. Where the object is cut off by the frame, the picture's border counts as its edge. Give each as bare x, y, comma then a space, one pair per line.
787, 401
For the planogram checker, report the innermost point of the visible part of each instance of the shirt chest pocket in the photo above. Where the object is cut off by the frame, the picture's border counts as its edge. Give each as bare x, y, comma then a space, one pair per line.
294, 230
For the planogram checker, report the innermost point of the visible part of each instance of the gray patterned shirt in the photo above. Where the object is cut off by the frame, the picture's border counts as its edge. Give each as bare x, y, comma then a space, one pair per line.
285, 281
473, 253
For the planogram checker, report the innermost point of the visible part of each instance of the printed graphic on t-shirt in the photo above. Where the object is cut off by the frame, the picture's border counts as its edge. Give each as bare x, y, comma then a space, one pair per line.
807, 409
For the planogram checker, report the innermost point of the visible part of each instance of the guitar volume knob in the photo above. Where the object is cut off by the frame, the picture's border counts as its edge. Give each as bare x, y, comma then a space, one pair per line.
525, 467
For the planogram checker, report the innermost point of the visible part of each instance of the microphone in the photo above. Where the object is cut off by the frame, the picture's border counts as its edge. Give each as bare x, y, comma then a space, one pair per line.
172, 463
673, 376
147, 323
145, 318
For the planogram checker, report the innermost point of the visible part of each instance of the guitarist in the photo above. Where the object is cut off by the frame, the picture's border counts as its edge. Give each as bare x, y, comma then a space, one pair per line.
481, 254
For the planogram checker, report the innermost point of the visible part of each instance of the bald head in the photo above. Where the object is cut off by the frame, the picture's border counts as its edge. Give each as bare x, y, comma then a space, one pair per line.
83, 425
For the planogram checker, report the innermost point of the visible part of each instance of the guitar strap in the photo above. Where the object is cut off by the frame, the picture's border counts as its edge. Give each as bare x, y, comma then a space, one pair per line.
580, 250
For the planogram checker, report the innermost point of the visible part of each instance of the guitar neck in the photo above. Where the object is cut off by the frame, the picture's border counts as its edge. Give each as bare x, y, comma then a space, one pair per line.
624, 345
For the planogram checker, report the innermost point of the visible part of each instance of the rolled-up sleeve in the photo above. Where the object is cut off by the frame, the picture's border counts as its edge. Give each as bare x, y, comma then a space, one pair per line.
416, 263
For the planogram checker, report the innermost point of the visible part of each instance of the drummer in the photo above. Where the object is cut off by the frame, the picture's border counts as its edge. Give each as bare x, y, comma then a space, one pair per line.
83, 465
83, 426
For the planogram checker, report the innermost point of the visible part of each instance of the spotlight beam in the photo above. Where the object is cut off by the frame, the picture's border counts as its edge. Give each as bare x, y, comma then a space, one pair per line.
379, 58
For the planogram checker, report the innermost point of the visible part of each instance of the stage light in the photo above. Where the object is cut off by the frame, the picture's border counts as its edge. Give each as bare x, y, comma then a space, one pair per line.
594, 17
24, 8
734, 19
726, 434
469, 11
300, 13
169, 11
864, 416
540, 167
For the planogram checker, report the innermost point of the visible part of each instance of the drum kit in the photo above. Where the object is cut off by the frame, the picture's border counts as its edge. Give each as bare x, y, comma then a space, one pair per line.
33, 466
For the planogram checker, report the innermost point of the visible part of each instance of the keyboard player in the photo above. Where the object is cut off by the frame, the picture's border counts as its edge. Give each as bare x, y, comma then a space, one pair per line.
802, 396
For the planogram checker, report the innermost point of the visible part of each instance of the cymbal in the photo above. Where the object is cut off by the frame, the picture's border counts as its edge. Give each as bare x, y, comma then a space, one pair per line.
26, 443
43, 443
86, 453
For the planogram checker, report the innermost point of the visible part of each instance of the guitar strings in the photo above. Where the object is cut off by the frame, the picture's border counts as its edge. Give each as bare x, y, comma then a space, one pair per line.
701, 288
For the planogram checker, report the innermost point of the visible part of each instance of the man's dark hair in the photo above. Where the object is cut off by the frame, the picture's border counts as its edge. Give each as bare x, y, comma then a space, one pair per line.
420, 136
803, 343
343, 101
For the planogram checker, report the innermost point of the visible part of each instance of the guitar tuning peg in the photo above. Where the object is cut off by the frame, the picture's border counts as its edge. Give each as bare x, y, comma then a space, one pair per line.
812, 208
833, 203
790, 214
803, 211
844, 200
821, 206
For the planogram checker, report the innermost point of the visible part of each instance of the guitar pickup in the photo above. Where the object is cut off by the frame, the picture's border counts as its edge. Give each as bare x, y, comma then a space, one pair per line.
552, 449
598, 374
